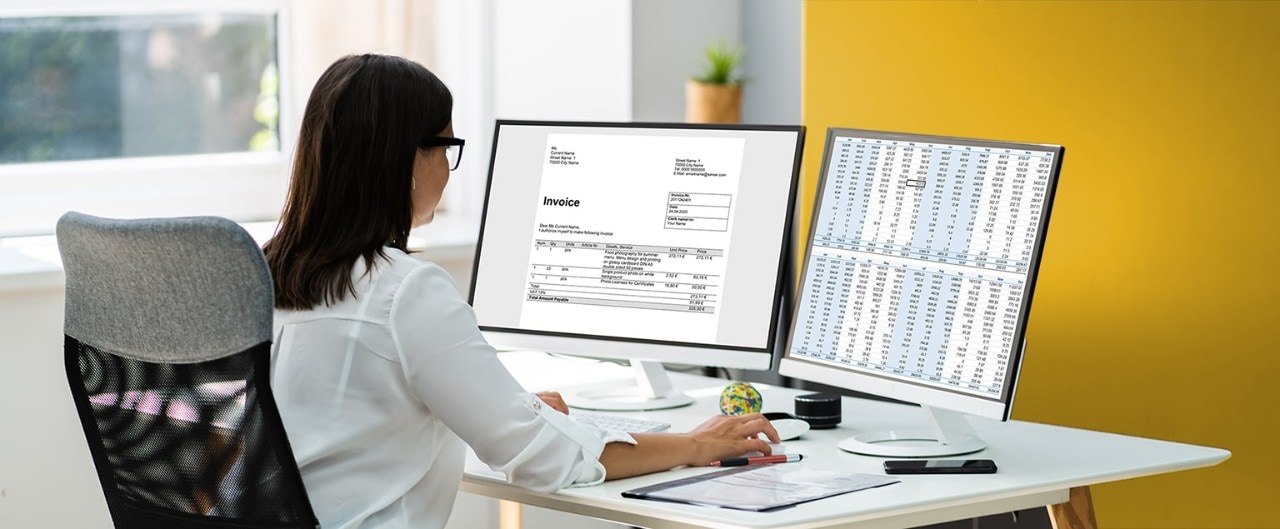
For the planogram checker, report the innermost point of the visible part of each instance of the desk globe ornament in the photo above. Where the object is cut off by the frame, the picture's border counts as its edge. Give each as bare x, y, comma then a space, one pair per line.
740, 398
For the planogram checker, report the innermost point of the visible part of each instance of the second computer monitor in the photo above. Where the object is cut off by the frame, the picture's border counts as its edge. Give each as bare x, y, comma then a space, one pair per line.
918, 277
658, 242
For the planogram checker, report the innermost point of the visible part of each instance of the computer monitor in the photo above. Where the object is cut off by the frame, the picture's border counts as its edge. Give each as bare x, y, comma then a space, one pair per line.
639, 241
918, 276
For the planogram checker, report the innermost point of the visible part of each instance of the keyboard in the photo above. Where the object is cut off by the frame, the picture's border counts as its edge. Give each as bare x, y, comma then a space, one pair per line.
620, 422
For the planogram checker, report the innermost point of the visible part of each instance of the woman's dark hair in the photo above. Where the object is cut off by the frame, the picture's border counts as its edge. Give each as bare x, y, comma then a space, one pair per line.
351, 190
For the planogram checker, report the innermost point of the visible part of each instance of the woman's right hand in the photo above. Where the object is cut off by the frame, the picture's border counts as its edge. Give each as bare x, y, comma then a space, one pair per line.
721, 437
727, 436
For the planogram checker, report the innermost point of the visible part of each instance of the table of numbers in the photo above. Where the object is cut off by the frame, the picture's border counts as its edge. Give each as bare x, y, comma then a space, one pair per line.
668, 278
920, 258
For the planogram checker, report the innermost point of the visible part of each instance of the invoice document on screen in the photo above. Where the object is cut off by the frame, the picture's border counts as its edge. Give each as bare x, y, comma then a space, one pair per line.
641, 224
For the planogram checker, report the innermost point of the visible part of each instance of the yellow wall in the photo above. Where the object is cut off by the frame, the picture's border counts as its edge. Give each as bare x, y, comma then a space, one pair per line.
1155, 313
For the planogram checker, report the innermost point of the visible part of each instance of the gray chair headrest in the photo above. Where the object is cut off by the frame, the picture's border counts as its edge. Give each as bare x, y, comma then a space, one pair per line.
176, 290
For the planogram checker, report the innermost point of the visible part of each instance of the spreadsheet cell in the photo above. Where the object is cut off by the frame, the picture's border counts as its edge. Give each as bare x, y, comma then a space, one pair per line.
920, 258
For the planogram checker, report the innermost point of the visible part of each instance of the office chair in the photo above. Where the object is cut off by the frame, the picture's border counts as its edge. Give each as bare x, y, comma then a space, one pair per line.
167, 350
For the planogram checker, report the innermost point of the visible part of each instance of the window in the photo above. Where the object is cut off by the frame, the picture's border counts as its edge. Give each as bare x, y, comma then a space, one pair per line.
137, 108
127, 86
148, 109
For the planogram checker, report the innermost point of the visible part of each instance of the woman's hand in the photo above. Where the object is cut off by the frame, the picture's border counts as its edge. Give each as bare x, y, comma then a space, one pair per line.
727, 436
721, 437
553, 399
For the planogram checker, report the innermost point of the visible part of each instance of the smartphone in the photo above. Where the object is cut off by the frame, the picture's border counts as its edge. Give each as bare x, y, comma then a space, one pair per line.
940, 466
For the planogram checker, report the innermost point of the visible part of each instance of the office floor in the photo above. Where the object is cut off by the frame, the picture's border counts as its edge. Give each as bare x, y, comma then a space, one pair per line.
1026, 519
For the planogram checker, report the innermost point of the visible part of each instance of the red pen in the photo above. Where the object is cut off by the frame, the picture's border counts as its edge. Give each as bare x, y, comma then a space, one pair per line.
758, 460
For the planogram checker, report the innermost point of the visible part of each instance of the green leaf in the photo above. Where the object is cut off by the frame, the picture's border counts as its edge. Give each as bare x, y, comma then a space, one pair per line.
722, 64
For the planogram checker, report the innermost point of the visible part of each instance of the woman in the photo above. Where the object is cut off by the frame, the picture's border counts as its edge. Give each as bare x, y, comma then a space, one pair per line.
380, 371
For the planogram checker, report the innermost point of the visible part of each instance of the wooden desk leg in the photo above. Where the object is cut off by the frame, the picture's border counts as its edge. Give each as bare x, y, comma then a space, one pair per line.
1076, 513
510, 515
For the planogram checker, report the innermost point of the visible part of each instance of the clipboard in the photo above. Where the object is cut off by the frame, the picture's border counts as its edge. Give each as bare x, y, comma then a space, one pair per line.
759, 488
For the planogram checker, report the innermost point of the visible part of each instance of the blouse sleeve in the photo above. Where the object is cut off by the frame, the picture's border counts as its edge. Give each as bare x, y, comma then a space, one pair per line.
456, 373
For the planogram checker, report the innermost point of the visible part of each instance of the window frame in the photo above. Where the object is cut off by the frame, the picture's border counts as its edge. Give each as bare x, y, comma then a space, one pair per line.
244, 186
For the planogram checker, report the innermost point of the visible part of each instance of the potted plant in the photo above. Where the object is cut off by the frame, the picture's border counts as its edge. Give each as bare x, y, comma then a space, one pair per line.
715, 96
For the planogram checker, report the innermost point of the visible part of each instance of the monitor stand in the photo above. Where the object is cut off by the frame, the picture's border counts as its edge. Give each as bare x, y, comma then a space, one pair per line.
950, 435
651, 390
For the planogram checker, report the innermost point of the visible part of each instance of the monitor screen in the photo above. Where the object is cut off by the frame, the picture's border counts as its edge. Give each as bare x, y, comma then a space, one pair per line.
663, 242
920, 265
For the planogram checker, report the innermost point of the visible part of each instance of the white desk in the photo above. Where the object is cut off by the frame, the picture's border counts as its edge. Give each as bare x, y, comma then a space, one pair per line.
1039, 465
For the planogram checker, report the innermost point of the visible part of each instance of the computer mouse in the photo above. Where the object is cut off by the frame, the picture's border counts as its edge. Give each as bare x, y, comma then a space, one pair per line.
775, 449
789, 429
787, 425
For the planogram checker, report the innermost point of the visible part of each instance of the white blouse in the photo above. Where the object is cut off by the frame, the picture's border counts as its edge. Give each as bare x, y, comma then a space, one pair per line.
379, 392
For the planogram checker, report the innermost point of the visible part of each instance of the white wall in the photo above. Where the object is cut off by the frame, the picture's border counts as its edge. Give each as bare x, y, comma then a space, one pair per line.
668, 46
562, 60
771, 34
44, 461
628, 60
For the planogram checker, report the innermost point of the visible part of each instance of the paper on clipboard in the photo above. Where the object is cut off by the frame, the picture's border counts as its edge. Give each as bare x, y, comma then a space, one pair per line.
759, 487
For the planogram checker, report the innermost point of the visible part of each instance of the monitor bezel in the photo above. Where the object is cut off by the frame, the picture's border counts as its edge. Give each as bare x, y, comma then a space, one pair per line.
896, 388
729, 356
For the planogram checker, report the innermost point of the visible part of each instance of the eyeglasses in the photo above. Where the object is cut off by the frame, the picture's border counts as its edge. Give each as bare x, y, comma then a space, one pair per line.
452, 148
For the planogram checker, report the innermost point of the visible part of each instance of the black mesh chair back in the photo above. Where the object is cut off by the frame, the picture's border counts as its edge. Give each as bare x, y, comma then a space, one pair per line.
167, 350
